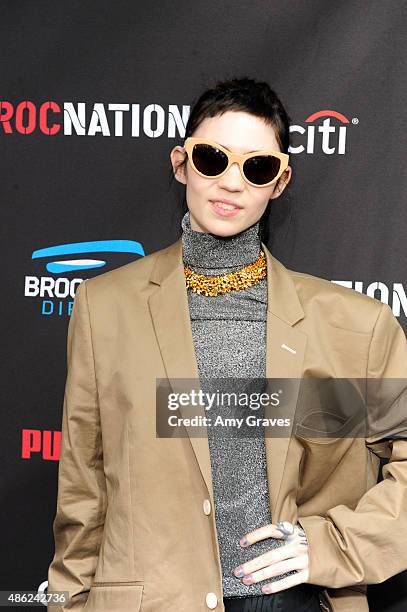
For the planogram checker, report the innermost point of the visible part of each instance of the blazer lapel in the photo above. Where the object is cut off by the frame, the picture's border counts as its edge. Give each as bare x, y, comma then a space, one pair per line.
285, 350
284, 359
170, 314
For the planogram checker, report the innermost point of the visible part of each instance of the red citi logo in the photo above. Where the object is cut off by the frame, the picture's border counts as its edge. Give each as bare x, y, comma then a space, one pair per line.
328, 138
43, 443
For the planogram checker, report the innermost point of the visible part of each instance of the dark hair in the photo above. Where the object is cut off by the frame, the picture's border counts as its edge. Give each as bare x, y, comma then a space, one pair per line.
241, 94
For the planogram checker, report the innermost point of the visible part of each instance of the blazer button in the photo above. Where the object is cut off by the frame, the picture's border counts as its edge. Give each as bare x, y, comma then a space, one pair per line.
211, 601
207, 506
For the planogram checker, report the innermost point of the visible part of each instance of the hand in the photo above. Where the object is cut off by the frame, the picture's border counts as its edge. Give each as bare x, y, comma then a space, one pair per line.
292, 556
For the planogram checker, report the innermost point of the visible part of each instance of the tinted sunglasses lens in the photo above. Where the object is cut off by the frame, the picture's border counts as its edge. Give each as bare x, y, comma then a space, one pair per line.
208, 160
261, 169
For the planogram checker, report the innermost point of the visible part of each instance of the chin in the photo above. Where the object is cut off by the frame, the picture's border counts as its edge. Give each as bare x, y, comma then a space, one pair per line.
224, 228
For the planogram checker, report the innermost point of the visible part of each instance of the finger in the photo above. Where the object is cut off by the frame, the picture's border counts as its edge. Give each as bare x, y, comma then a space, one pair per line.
272, 556
277, 569
267, 531
286, 583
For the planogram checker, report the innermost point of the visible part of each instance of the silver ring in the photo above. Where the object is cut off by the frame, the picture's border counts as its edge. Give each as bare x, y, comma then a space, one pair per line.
286, 528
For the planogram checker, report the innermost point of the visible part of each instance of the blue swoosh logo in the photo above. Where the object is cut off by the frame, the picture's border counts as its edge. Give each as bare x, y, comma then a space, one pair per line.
95, 246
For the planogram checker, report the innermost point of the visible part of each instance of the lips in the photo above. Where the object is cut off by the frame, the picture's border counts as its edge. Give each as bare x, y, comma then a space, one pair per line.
228, 203
223, 209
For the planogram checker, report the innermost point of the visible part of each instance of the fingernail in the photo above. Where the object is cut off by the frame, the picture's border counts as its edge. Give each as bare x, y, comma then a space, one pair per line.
247, 579
244, 542
239, 573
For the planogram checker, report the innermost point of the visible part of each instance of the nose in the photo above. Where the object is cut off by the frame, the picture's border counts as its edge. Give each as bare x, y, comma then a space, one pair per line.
232, 180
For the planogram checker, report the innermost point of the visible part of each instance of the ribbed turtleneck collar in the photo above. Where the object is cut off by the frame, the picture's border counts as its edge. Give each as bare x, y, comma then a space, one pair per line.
208, 251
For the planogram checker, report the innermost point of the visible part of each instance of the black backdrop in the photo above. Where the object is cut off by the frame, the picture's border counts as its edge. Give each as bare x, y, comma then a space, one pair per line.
77, 168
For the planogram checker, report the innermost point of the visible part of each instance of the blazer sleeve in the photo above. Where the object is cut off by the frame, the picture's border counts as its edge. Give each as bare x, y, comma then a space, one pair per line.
81, 500
367, 545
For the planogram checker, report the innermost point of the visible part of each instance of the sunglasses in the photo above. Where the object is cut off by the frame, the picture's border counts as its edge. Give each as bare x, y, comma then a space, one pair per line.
210, 160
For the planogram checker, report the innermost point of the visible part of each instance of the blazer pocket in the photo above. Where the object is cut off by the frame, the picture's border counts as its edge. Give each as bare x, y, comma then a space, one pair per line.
114, 597
307, 440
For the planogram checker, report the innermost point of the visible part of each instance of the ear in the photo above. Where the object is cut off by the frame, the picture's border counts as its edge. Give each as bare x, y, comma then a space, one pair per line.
177, 156
282, 183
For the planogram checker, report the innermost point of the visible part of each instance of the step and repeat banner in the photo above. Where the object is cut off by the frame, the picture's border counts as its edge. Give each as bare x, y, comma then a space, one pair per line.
93, 97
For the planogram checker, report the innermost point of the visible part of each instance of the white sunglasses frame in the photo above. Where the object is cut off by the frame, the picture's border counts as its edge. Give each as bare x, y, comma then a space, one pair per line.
191, 141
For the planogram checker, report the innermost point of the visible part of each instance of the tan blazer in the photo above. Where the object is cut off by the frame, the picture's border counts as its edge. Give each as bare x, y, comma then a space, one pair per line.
135, 527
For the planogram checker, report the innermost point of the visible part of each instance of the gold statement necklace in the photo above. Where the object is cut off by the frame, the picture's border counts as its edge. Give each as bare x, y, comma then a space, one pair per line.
234, 281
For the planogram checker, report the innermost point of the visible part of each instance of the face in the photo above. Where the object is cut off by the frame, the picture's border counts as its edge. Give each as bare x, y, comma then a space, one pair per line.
239, 132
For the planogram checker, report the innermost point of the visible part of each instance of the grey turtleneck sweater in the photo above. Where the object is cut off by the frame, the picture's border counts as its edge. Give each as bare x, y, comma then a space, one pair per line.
229, 333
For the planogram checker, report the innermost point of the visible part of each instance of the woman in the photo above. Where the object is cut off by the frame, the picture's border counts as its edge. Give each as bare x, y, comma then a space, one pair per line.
148, 521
